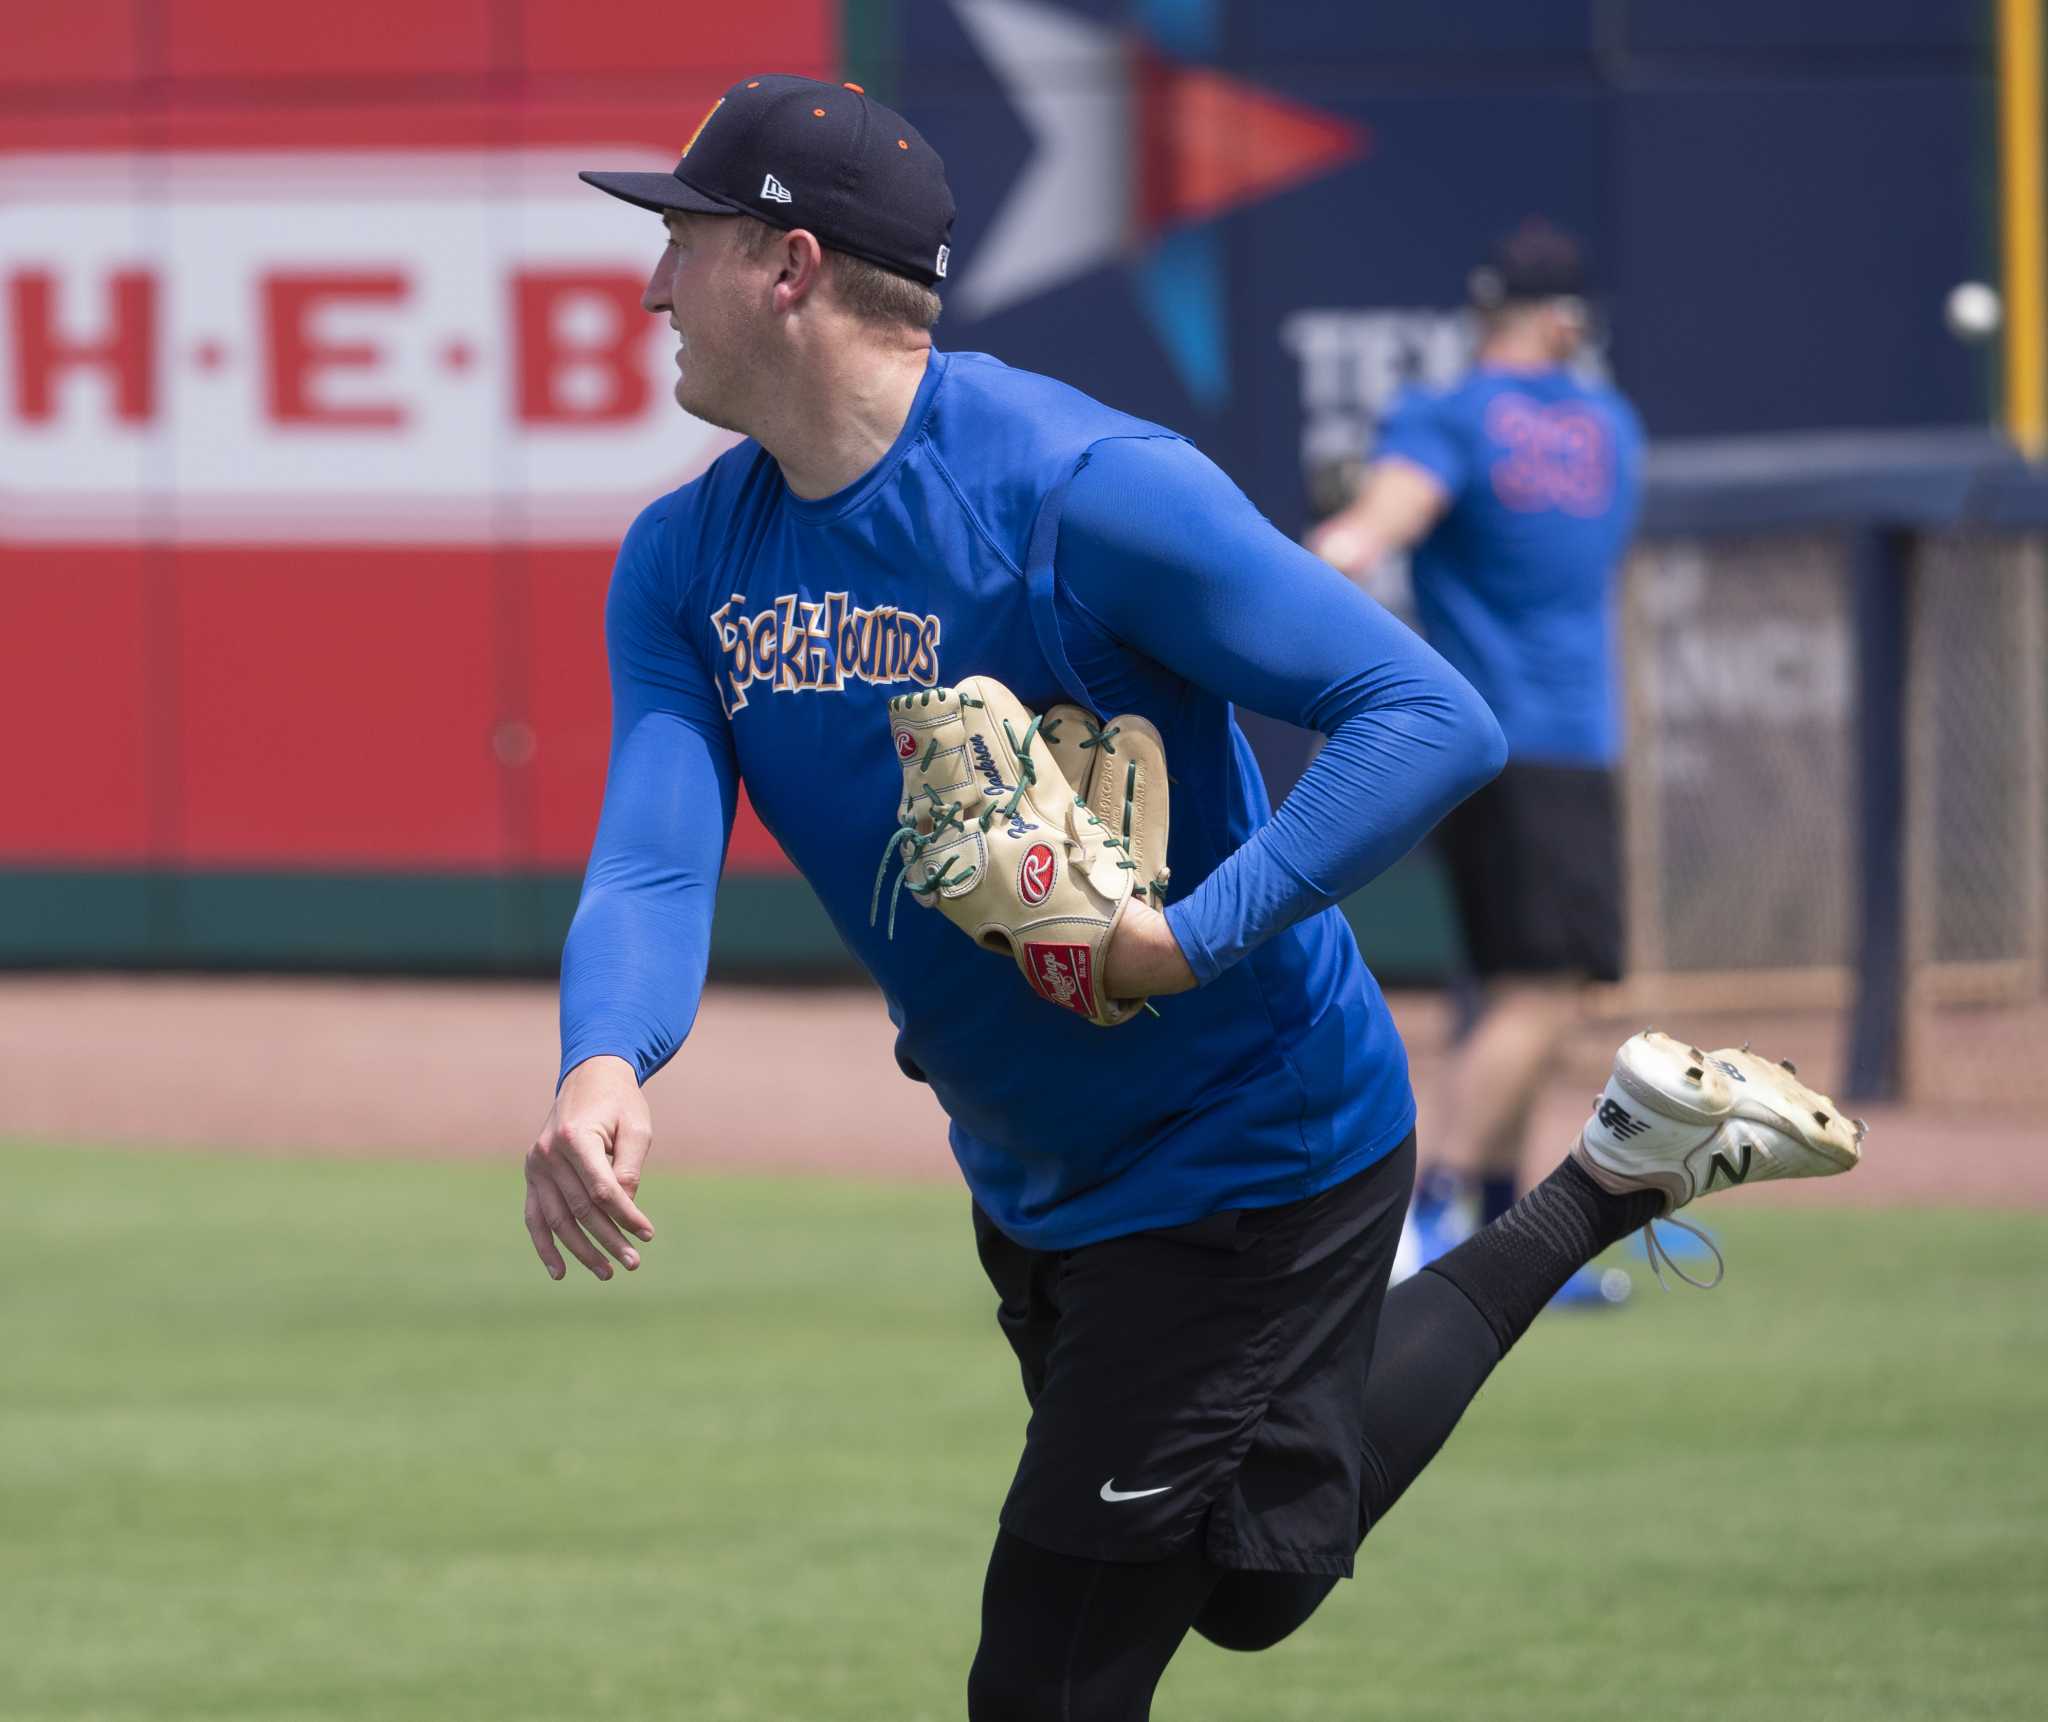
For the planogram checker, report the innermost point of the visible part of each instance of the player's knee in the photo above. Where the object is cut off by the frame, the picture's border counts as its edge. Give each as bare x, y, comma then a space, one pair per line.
1244, 1633
1255, 1611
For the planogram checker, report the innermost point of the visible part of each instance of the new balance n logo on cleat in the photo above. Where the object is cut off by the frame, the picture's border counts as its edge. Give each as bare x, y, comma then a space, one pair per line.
775, 191
1727, 1170
1611, 1117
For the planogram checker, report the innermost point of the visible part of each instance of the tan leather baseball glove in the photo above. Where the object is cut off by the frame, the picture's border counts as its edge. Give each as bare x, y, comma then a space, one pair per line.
1031, 834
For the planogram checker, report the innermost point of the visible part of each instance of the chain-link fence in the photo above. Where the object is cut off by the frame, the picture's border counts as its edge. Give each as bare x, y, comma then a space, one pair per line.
1977, 819
1749, 841
1739, 675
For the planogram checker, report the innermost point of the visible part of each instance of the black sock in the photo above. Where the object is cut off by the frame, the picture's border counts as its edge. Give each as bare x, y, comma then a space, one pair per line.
1515, 1266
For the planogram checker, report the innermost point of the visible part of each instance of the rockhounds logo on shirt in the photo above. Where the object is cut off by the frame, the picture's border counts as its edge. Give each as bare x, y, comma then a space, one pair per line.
796, 646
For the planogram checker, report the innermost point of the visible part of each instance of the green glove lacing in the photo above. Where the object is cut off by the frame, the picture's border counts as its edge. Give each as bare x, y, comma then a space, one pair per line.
1105, 739
946, 815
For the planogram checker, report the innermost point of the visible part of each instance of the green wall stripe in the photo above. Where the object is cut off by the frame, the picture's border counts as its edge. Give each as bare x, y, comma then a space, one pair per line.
446, 923
464, 923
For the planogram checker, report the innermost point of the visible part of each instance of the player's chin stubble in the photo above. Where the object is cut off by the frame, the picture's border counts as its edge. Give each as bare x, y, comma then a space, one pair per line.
706, 411
699, 404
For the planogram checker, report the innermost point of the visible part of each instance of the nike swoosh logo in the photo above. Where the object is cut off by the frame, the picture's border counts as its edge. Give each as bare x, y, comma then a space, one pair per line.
1110, 1492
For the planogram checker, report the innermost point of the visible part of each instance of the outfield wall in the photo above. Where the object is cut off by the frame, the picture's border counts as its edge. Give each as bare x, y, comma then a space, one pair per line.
323, 394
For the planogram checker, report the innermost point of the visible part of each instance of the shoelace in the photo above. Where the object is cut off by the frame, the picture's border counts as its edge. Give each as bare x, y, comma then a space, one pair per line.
1653, 1247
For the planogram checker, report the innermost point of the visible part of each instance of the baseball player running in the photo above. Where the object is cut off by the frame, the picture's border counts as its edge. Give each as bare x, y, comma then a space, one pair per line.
873, 611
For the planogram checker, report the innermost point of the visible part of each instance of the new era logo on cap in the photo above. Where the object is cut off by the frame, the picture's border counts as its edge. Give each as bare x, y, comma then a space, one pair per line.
945, 252
776, 192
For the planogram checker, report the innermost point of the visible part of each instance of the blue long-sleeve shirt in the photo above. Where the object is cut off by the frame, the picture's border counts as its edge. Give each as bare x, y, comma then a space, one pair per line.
1159, 551
1019, 530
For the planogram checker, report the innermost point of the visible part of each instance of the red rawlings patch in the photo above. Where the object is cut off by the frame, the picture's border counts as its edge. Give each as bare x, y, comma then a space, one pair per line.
1036, 873
1065, 974
906, 744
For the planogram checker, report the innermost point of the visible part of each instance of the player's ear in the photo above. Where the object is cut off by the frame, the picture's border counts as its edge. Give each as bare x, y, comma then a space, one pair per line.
802, 261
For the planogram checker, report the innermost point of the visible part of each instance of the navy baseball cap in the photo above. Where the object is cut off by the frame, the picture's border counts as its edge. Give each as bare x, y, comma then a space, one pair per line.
794, 152
1536, 261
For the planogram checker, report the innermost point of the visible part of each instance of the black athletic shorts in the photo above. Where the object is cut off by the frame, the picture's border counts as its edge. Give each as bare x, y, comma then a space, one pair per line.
1202, 1385
1535, 865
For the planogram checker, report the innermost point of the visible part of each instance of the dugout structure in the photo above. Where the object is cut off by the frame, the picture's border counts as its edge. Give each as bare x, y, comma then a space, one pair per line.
1836, 661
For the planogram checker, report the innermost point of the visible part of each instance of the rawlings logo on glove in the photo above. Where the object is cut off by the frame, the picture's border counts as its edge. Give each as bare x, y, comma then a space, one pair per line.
1036, 874
1030, 834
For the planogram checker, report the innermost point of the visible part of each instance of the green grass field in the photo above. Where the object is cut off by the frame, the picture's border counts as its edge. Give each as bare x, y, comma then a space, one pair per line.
292, 1441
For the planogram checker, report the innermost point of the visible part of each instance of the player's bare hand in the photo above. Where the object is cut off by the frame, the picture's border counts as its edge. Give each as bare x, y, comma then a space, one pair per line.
1145, 958
583, 1170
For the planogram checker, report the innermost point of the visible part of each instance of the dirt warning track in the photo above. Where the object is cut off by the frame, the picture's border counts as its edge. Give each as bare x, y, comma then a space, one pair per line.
773, 1079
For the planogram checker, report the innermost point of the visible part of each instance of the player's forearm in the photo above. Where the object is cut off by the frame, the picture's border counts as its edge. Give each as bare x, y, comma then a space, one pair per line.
1388, 772
1163, 552
633, 973
633, 965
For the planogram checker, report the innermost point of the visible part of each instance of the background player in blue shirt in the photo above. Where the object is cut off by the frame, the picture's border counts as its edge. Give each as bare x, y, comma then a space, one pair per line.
1514, 493
1187, 1220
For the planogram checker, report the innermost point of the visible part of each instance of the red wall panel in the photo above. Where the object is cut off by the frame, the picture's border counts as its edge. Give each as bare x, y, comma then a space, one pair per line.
338, 708
75, 713
570, 711
753, 850
638, 38
78, 42
112, 43
259, 39
568, 699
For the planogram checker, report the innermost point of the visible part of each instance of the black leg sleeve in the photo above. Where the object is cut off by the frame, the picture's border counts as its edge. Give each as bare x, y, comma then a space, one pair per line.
1433, 1354
1442, 1332
1064, 1639
1515, 1266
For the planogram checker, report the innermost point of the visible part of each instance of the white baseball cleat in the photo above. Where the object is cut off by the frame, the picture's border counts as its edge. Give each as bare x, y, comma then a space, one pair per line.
1685, 1123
